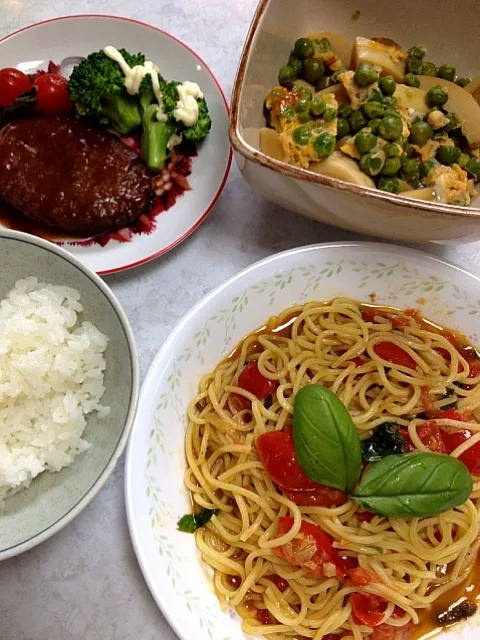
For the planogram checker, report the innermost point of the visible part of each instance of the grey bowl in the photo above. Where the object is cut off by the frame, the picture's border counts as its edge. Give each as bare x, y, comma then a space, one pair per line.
54, 499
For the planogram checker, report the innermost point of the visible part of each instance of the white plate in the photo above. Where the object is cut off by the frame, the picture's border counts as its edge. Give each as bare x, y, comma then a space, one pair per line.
155, 494
60, 38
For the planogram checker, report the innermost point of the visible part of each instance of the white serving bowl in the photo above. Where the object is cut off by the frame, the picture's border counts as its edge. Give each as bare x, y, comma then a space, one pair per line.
54, 499
155, 494
450, 35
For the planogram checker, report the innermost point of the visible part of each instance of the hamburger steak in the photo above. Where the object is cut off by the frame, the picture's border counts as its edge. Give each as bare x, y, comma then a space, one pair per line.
71, 176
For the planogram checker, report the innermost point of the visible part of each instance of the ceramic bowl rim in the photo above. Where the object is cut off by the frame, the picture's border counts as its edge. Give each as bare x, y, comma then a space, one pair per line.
100, 480
258, 157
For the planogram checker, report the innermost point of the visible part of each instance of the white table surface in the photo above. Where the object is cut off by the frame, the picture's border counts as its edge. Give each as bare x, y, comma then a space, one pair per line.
85, 583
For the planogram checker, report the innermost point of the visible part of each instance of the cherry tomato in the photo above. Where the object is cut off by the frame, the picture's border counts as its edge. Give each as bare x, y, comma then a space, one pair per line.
52, 94
393, 353
312, 549
368, 608
471, 458
389, 632
252, 380
277, 453
278, 581
12, 84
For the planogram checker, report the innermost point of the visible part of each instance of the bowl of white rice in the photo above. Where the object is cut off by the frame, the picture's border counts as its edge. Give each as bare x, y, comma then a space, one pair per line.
68, 388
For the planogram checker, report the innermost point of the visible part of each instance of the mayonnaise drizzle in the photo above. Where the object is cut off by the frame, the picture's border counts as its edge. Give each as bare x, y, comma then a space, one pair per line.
135, 75
186, 110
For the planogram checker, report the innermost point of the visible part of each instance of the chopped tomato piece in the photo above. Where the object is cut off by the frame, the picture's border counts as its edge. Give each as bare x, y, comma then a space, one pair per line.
451, 414
277, 453
252, 380
368, 608
360, 577
278, 581
427, 401
389, 632
321, 497
393, 353
312, 549
453, 438
265, 617
358, 361
431, 436
365, 516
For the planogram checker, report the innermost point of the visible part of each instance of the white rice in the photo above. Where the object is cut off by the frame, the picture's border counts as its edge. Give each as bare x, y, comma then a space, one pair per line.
51, 379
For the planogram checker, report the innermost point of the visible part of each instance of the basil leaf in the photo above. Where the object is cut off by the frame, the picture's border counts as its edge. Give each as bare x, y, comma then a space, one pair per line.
193, 521
386, 440
326, 440
414, 484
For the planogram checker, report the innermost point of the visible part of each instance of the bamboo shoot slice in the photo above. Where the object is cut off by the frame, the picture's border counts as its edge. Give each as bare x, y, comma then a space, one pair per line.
412, 98
460, 102
271, 144
382, 52
428, 194
343, 168
341, 47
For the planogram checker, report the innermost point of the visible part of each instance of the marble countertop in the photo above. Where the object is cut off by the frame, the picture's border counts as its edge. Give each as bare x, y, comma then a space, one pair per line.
85, 583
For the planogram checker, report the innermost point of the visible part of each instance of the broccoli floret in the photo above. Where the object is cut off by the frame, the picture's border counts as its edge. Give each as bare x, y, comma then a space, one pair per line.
155, 137
199, 131
97, 89
170, 97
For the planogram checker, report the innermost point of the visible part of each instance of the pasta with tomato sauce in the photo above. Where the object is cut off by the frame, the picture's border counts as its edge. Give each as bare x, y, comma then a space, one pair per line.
297, 558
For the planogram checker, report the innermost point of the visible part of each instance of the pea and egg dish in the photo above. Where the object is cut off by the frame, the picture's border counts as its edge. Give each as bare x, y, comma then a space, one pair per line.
376, 115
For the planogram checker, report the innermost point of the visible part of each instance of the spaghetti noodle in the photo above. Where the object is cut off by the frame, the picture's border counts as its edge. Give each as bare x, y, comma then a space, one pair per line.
399, 566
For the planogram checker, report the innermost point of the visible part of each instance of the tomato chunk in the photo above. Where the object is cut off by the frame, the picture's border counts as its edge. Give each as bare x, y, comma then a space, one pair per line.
431, 436
252, 380
278, 581
368, 608
360, 577
471, 457
393, 353
277, 453
312, 549
264, 617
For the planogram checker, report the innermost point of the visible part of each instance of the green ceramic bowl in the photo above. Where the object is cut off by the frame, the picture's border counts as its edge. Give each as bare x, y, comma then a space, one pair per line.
54, 499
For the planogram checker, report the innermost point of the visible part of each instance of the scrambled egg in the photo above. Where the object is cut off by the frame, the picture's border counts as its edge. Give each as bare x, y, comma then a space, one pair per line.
451, 185
437, 120
349, 149
358, 95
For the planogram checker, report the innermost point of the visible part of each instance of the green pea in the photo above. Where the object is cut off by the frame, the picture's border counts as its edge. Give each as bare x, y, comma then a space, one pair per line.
303, 48
415, 183
418, 51
437, 96
373, 109
374, 124
372, 163
411, 80
427, 166
287, 112
392, 166
410, 168
390, 127
388, 85
389, 102
463, 159
408, 149
303, 91
391, 112
448, 155
376, 96
317, 106
462, 82
296, 64
313, 70
345, 110
304, 116
357, 120
324, 145
343, 128
365, 141
390, 185
413, 65
320, 86
392, 149
301, 135
329, 114
447, 72
473, 167
420, 133
335, 77
287, 76
365, 75
417, 117
302, 104
323, 45
429, 69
